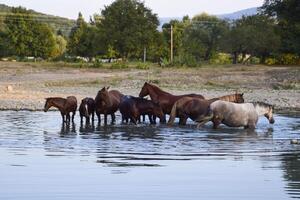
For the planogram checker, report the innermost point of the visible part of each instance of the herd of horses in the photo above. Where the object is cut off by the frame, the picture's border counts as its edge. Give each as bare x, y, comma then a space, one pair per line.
230, 110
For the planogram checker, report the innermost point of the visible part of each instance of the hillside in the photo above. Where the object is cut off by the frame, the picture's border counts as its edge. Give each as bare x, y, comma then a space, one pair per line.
57, 23
239, 14
229, 16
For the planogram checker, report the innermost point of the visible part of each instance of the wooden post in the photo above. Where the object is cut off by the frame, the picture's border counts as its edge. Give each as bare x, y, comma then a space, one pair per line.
145, 54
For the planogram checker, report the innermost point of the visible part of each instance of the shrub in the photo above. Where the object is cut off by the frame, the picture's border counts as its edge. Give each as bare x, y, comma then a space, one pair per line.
221, 59
144, 66
119, 65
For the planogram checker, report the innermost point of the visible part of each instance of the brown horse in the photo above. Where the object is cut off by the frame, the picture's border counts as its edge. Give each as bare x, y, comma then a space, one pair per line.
165, 99
87, 109
65, 106
107, 103
196, 109
133, 107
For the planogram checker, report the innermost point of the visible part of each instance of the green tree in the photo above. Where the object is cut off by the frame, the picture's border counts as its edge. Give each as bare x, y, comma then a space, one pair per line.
287, 13
253, 35
203, 35
26, 36
74, 47
129, 27
178, 35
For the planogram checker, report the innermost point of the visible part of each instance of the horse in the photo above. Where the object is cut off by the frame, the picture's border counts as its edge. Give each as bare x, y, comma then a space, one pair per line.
196, 109
87, 109
164, 99
65, 106
107, 103
238, 115
133, 107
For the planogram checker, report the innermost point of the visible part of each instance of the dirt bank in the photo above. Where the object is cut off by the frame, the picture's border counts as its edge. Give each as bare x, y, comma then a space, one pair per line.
23, 86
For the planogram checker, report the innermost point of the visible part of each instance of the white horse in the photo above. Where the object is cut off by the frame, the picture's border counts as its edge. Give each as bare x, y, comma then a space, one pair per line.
238, 115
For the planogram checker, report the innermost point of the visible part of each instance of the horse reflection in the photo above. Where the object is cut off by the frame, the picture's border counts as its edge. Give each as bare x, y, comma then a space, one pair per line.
87, 128
67, 128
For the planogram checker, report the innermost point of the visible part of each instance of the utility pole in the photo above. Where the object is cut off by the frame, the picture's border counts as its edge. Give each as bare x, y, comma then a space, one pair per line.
145, 54
171, 59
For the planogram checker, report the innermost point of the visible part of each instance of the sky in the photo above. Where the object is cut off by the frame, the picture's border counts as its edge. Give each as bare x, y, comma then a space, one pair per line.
164, 8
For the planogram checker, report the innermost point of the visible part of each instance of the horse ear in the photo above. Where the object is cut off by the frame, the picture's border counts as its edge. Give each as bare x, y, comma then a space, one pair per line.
242, 94
107, 88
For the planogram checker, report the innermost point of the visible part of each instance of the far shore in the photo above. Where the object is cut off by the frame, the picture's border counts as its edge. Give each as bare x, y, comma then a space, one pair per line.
23, 86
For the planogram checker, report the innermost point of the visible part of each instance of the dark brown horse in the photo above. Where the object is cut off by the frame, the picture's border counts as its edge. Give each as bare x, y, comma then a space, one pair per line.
87, 109
107, 103
165, 99
133, 107
196, 109
65, 106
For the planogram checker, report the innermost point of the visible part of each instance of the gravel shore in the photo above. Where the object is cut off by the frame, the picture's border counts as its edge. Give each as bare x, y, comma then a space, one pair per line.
24, 86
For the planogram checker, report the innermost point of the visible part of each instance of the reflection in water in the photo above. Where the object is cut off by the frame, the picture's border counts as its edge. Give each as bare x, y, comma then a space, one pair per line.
186, 155
291, 173
67, 128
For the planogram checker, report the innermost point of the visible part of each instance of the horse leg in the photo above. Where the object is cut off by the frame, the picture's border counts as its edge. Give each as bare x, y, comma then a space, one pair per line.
144, 118
93, 117
151, 119
63, 117
182, 120
68, 118
216, 121
73, 115
81, 119
99, 117
113, 118
133, 120
87, 120
105, 119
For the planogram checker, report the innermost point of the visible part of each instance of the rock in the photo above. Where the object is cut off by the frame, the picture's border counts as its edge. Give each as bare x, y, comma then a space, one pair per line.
9, 88
295, 141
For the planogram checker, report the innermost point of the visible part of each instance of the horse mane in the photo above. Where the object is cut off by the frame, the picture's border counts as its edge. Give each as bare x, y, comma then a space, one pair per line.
158, 89
262, 104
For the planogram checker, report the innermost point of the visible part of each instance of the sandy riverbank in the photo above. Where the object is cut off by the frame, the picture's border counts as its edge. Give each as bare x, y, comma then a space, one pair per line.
23, 86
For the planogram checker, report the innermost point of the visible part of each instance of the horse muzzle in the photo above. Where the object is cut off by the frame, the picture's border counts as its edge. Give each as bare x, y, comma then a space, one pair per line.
272, 121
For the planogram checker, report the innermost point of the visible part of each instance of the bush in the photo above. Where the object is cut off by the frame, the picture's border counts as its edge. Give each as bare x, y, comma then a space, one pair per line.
97, 63
186, 60
119, 65
221, 59
289, 59
270, 61
144, 66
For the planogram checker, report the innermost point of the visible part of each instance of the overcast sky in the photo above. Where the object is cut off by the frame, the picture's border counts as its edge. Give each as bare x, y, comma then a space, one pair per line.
164, 8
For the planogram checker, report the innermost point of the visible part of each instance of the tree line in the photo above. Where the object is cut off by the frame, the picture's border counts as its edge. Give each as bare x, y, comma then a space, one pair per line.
127, 29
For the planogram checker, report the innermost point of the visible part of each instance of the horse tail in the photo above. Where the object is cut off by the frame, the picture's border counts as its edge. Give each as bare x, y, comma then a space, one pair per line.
173, 114
209, 116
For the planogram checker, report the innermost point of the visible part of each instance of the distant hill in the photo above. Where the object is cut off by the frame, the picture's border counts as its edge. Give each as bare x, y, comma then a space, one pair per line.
57, 23
239, 14
230, 16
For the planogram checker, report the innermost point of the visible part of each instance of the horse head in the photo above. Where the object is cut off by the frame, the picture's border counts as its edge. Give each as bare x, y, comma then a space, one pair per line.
266, 110
48, 104
103, 95
239, 98
144, 91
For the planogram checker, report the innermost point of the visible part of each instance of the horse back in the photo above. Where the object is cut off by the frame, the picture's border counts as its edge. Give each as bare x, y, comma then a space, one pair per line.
71, 104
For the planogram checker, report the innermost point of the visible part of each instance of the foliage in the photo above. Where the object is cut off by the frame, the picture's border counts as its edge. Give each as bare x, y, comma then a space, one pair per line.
141, 65
221, 59
26, 36
128, 27
287, 13
203, 36
119, 65
252, 35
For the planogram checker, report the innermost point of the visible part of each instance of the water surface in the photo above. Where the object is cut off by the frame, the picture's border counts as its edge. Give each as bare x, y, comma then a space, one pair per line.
42, 159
